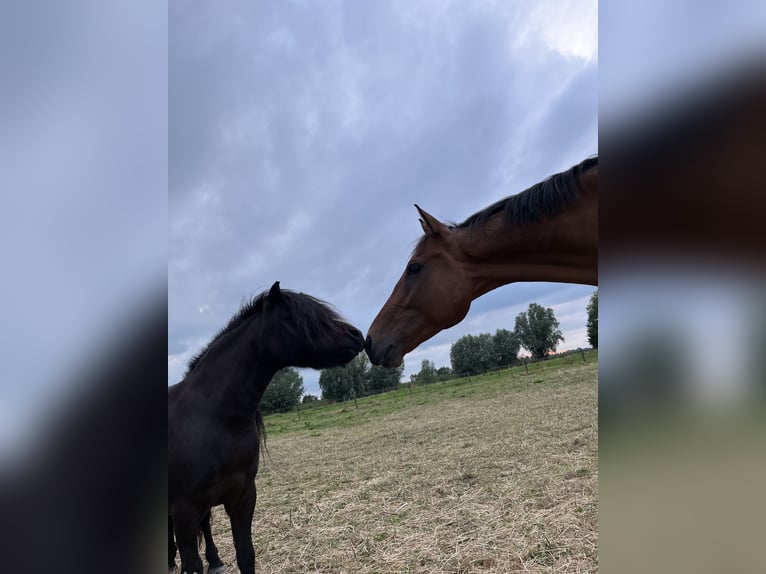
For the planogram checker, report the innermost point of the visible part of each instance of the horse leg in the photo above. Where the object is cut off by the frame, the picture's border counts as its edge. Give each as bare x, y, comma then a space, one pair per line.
186, 520
171, 546
215, 566
240, 513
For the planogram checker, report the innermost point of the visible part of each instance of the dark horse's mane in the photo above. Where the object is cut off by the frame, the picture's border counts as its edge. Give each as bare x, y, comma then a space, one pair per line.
250, 308
547, 198
308, 313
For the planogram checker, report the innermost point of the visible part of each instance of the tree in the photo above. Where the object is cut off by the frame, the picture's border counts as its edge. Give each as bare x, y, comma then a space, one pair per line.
335, 383
444, 373
357, 371
473, 354
592, 324
380, 379
283, 393
343, 383
506, 348
462, 356
538, 330
309, 399
427, 372
486, 352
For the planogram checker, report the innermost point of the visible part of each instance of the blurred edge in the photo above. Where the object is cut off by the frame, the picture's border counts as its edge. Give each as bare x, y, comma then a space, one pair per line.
83, 301
689, 178
87, 498
683, 331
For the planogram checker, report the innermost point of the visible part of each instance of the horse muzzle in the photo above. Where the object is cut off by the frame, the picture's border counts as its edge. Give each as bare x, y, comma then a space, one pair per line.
386, 355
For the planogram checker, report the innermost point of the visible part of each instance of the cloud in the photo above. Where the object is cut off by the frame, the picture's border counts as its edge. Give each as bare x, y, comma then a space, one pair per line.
568, 28
301, 136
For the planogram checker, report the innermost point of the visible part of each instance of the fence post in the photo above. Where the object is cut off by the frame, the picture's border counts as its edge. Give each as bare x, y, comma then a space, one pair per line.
583, 355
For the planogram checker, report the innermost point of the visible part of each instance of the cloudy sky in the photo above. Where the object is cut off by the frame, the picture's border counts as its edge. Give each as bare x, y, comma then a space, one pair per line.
302, 133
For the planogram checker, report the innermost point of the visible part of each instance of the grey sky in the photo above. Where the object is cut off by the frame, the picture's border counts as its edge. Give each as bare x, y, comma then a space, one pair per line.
301, 134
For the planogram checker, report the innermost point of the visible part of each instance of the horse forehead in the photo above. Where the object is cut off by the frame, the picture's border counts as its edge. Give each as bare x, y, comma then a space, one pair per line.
431, 247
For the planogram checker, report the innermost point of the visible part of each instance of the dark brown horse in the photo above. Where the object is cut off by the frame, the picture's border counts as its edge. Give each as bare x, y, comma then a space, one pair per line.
214, 562
214, 425
547, 233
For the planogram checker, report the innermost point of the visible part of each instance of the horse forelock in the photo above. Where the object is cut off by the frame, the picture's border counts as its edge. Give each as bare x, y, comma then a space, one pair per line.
310, 315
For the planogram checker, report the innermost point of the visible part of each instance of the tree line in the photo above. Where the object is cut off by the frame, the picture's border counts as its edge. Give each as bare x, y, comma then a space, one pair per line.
536, 330
358, 378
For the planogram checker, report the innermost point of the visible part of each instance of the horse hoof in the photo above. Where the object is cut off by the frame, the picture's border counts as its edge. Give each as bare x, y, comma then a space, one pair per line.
217, 570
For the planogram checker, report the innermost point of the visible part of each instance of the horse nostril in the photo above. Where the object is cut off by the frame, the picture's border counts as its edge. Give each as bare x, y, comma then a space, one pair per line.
367, 343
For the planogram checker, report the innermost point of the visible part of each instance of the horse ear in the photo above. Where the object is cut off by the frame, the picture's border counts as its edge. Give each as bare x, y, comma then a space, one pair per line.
431, 225
274, 293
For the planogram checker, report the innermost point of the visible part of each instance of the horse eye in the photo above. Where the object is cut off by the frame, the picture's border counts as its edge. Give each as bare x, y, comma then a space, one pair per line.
414, 267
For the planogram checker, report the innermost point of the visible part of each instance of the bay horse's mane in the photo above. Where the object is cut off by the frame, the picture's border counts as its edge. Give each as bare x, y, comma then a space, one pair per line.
545, 199
308, 313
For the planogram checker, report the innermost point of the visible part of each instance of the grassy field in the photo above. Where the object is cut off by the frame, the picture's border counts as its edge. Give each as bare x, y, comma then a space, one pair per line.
492, 474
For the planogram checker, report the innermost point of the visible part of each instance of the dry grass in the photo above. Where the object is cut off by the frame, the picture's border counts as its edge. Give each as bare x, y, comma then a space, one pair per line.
502, 479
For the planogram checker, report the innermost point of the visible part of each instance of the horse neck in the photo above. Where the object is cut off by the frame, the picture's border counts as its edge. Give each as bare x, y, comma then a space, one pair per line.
560, 249
235, 373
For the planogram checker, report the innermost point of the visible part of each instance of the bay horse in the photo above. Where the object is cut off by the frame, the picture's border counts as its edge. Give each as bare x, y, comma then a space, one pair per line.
215, 429
547, 233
